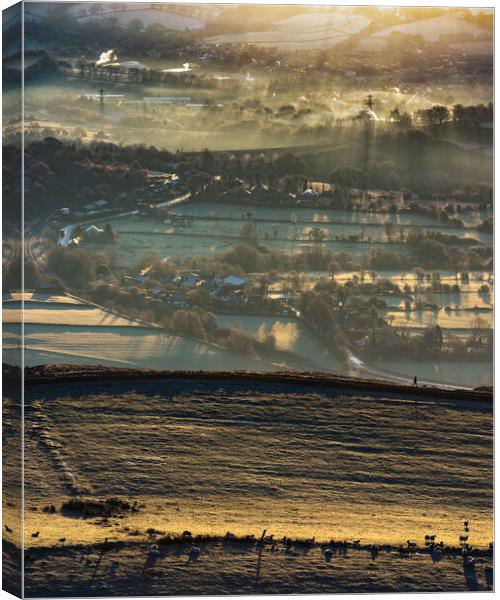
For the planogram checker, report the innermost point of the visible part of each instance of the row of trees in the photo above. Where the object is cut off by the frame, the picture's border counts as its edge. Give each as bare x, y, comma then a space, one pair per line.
460, 115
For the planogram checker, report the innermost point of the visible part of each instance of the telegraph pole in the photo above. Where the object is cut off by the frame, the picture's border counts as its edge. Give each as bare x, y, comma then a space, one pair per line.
369, 103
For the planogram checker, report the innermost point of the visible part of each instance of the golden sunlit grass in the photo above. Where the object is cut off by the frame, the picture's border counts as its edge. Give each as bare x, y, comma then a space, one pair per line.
212, 458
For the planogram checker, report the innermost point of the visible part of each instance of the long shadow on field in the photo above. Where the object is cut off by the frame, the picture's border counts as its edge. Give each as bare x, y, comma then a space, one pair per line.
470, 579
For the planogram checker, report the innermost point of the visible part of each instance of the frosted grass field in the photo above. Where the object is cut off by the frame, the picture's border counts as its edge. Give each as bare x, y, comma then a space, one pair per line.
148, 16
463, 373
66, 330
291, 335
259, 480
216, 456
313, 30
59, 333
217, 209
136, 236
306, 437
461, 321
212, 234
430, 29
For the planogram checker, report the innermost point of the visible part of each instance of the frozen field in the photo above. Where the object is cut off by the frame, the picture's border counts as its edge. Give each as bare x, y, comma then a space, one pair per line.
320, 216
463, 373
144, 13
290, 334
431, 30
467, 299
212, 456
67, 333
67, 330
218, 227
193, 242
312, 30
460, 321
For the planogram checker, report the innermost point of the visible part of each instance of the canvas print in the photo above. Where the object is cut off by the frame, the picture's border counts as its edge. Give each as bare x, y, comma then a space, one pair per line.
248, 298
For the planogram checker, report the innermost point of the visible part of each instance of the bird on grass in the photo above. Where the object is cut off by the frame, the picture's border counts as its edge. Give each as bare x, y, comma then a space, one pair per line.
35, 535
62, 540
8, 529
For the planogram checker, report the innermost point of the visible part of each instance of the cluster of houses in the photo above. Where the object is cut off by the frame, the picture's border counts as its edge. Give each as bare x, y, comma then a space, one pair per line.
223, 291
225, 294
157, 188
71, 237
238, 191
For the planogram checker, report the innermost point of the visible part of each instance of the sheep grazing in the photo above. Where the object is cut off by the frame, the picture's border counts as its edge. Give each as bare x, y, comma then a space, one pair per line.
62, 540
469, 562
35, 535
437, 554
328, 554
463, 538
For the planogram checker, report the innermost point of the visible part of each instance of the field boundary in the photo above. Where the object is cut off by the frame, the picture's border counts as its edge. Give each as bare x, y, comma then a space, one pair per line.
48, 374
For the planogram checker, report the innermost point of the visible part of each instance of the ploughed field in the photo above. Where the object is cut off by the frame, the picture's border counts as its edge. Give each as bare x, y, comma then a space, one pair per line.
217, 456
